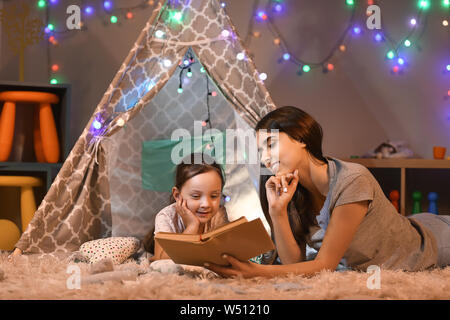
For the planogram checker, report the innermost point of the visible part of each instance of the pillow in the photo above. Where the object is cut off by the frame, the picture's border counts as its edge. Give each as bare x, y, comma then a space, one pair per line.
118, 249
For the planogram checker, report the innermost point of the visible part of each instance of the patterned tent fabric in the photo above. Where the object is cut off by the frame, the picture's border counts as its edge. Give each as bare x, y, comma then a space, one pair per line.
90, 192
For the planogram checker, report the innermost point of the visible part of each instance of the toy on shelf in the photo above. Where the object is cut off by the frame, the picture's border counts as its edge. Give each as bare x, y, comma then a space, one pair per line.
390, 149
432, 206
46, 143
417, 198
394, 196
439, 152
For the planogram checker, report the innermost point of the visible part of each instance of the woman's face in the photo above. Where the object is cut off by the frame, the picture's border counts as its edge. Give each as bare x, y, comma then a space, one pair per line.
280, 153
202, 194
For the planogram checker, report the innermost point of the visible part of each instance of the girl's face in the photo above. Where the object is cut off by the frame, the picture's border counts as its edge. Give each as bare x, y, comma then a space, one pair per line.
202, 194
280, 153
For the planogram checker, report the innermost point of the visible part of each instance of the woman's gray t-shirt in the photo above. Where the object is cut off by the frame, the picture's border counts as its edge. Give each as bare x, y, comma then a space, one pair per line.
384, 238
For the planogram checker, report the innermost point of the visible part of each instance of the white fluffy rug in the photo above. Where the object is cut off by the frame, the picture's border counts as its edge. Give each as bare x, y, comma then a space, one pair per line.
47, 277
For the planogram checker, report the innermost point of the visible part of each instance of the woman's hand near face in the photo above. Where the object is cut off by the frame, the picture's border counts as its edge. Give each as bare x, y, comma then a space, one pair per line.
189, 218
280, 190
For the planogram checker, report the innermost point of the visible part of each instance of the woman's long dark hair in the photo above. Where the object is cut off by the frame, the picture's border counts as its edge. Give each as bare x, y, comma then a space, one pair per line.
301, 127
187, 169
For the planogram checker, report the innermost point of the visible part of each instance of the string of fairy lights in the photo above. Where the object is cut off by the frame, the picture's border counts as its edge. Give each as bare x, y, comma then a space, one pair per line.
267, 13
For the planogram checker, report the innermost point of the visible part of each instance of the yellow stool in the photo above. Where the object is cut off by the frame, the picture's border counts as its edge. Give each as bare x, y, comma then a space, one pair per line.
27, 204
9, 235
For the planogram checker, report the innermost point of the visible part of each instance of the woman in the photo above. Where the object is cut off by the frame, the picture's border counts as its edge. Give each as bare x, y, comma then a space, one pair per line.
336, 207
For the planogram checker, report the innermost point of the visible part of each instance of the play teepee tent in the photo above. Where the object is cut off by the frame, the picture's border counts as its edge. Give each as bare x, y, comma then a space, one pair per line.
99, 191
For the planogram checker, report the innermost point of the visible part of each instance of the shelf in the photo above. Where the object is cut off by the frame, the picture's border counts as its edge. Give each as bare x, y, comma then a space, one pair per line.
430, 171
402, 163
25, 168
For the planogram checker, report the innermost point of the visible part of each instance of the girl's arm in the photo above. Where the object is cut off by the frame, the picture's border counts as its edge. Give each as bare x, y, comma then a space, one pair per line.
343, 225
161, 254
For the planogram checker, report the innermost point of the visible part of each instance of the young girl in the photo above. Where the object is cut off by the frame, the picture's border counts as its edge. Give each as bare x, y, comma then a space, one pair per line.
196, 206
335, 207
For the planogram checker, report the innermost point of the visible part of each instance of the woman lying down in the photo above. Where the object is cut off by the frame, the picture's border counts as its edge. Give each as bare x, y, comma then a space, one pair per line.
336, 207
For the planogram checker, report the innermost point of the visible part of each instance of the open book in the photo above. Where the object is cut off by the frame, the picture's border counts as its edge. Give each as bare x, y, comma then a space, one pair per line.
241, 239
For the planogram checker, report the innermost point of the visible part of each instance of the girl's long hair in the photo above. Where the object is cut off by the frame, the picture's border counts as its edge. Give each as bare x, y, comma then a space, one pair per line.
187, 169
301, 127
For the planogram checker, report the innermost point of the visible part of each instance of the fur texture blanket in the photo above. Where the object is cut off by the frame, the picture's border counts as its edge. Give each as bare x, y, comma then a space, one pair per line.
57, 277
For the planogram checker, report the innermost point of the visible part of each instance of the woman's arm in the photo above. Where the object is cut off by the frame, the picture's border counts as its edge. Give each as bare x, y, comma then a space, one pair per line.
343, 225
288, 249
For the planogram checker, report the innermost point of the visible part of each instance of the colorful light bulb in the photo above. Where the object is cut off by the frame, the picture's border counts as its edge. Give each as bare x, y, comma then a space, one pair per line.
89, 10
390, 54
350, 2
263, 76
378, 37
240, 56
413, 21
113, 19
407, 43
55, 67
306, 68
286, 56
424, 4
54, 81
107, 5
159, 33
41, 3
96, 124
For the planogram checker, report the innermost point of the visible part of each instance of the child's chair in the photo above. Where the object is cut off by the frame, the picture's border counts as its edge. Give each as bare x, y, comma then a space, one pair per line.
46, 144
9, 233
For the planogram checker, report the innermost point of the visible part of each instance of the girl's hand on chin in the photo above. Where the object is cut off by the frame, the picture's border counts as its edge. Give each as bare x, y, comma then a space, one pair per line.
190, 220
280, 190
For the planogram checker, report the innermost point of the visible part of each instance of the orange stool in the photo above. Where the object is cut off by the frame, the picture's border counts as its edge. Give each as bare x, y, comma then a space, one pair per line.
27, 201
46, 143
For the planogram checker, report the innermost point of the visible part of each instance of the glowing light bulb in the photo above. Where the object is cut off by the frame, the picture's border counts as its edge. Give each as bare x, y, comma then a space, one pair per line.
178, 16
214, 93
55, 67
225, 33
445, 23
342, 47
107, 5
395, 69
424, 4
227, 198
356, 30
159, 34
88, 10
306, 68
113, 19
42, 3
54, 81
240, 56
167, 63
407, 43
97, 125
378, 37
448, 67
413, 22
330, 67
350, 2
120, 122
400, 61
262, 15
390, 54
286, 56
129, 15
202, 70
263, 76
189, 74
